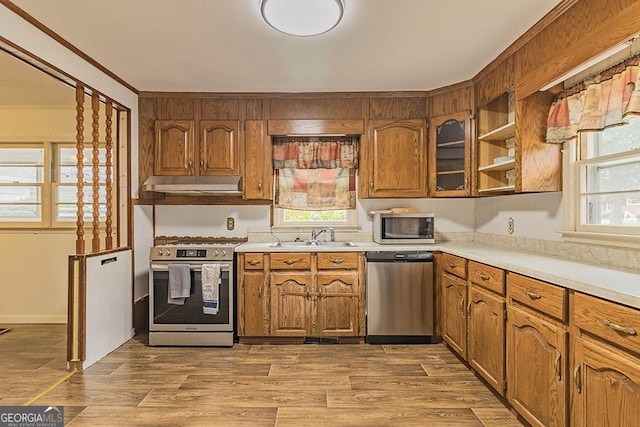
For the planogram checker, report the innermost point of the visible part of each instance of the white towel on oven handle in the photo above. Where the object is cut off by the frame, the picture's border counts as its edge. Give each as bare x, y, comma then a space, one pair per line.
210, 288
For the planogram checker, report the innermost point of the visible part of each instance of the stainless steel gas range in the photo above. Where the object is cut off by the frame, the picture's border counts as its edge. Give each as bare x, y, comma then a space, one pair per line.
190, 321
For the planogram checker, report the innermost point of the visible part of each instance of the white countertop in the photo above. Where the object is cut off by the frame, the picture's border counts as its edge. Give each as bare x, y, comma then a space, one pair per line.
598, 280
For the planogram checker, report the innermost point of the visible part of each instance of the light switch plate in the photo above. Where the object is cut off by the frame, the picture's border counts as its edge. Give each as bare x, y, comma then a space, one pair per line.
231, 223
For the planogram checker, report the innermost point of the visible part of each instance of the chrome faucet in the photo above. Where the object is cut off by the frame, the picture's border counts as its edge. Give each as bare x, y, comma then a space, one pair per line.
316, 233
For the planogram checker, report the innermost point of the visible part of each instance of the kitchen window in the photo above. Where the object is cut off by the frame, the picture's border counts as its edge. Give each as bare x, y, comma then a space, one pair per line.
38, 185
315, 181
604, 182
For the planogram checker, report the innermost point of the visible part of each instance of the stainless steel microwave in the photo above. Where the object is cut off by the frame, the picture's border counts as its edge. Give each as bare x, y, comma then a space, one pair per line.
403, 228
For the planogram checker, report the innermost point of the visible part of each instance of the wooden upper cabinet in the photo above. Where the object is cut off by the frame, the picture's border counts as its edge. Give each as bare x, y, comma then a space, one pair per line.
258, 168
219, 147
450, 155
177, 152
174, 147
396, 164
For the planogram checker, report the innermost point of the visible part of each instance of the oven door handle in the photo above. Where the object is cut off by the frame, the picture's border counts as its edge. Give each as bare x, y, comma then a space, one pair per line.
194, 267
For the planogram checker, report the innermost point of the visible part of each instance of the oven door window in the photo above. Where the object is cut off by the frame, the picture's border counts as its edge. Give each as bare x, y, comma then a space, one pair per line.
191, 312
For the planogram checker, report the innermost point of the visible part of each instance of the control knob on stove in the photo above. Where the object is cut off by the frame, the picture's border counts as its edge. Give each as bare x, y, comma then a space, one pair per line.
224, 253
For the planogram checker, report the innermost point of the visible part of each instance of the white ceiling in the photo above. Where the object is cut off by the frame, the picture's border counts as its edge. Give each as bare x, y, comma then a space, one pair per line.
224, 46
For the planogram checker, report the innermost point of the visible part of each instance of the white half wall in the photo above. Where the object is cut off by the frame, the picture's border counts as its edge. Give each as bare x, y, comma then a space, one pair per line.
109, 308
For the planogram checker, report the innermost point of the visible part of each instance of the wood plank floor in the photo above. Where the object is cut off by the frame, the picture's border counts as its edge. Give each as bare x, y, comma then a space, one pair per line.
270, 385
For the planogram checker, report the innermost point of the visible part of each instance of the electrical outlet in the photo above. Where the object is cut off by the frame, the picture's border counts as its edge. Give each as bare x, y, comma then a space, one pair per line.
511, 226
230, 223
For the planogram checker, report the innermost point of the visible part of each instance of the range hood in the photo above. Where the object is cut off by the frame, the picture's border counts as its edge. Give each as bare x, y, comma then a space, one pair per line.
222, 185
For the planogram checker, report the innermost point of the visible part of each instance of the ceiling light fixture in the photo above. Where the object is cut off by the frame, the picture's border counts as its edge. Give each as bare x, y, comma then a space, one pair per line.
302, 17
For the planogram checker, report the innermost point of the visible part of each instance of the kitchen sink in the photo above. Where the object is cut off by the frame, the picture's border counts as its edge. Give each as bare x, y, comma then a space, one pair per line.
310, 243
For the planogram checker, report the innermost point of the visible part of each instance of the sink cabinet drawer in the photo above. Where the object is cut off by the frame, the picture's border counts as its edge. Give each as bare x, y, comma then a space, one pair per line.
253, 261
610, 321
337, 260
540, 296
486, 276
455, 265
290, 261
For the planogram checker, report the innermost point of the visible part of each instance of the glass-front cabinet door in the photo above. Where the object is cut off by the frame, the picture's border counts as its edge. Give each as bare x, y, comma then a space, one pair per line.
449, 155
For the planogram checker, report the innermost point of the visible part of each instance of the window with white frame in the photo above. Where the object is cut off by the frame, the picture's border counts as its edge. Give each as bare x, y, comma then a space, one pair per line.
22, 182
38, 185
606, 180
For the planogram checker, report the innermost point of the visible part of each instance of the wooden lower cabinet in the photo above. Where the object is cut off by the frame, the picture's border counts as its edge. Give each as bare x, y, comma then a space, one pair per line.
486, 339
605, 389
291, 307
454, 324
337, 304
536, 368
301, 295
253, 303
606, 385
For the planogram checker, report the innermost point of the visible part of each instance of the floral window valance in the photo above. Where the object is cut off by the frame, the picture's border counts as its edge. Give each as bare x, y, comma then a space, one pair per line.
315, 173
599, 102
327, 152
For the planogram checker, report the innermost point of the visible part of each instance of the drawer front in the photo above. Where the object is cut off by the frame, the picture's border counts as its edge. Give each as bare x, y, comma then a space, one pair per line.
486, 276
290, 261
541, 296
455, 265
610, 321
253, 261
337, 260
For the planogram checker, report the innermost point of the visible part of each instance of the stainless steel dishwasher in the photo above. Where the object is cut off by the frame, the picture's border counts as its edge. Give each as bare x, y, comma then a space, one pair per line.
400, 308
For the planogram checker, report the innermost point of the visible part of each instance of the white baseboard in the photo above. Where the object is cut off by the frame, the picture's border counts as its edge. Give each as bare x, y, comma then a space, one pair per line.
33, 318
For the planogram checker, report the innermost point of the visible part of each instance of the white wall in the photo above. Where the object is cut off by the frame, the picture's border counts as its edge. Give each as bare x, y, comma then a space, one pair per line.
536, 216
143, 229
451, 215
198, 221
33, 283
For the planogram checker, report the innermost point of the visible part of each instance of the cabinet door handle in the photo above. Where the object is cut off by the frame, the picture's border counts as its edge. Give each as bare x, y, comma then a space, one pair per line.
337, 260
469, 310
533, 295
260, 292
201, 164
462, 306
624, 329
483, 276
371, 184
576, 378
290, 261
260, 185
254, 262
557, 367
452, 265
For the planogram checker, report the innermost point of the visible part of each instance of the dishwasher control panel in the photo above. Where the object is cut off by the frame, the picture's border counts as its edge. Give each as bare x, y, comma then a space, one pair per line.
400, 256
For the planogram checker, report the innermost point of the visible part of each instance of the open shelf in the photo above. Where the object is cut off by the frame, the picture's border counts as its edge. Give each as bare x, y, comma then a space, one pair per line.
504, 166
450, 172
500, 134
498, 189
